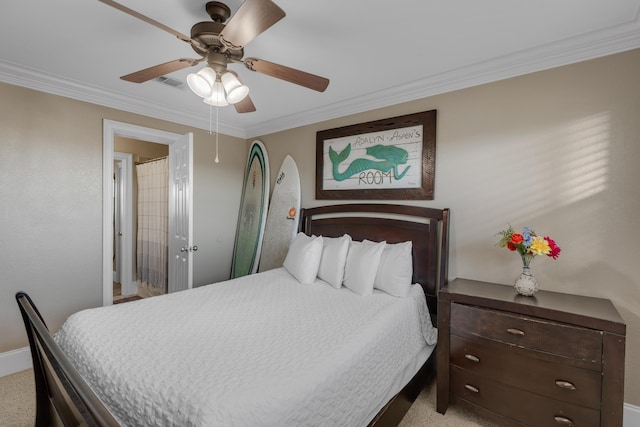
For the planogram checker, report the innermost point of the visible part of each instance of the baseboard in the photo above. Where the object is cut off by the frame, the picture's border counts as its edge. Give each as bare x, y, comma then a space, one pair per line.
631, 417
15, 361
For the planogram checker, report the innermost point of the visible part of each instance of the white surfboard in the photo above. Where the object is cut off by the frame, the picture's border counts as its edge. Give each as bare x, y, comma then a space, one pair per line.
253, 212
283, 216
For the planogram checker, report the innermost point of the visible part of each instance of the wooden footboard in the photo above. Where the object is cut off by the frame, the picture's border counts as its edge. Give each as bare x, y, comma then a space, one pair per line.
62, 396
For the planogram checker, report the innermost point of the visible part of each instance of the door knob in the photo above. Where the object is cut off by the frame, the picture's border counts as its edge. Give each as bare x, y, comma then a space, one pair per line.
183, 249
194, 248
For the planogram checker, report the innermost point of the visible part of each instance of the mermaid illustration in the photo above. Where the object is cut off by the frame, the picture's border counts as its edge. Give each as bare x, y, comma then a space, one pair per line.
390, 158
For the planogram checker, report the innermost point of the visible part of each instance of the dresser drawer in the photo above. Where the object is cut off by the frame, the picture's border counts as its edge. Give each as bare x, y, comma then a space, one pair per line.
532, 333
498, 362
519, 405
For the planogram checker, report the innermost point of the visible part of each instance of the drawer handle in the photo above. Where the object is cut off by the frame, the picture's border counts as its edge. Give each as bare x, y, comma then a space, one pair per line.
563, 421
471, 388
472, 357
566, 385
516, 332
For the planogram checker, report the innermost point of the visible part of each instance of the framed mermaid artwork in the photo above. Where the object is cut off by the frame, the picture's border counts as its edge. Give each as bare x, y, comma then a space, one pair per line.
391, 159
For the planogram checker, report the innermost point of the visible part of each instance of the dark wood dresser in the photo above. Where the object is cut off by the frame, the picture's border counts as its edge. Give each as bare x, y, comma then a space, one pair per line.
551, 359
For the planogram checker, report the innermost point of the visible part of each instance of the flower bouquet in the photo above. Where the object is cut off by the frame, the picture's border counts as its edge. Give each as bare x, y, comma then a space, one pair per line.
528, 244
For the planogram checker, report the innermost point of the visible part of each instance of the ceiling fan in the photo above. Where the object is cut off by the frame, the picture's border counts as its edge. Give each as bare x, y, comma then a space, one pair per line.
220, 44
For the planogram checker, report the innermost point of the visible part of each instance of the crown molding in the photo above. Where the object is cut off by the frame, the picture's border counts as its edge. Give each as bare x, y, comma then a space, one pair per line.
56, 85
571, 50
568, 51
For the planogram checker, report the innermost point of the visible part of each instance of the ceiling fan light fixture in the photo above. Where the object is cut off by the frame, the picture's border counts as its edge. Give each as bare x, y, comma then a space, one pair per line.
202, 82
235, 90
221, 43
217, 98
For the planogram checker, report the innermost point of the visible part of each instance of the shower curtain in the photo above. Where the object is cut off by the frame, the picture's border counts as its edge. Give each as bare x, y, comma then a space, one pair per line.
152, 243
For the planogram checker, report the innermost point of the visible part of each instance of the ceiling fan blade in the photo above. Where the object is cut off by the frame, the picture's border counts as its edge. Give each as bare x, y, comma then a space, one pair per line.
292, 75
153, 22
160, 70
252, 18
245, 106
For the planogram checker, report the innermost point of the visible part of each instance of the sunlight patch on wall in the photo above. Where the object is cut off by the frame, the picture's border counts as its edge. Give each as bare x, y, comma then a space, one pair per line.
565, 166
538, 172
585, 168
559, 167
543, 167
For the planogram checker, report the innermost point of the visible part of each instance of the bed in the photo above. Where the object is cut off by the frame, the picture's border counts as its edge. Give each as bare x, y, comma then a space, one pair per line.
272, 348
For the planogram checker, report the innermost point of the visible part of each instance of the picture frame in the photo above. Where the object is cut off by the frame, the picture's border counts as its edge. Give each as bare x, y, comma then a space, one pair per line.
391, 159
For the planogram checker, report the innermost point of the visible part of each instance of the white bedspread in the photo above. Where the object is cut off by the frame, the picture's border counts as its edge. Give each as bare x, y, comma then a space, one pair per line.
262, 350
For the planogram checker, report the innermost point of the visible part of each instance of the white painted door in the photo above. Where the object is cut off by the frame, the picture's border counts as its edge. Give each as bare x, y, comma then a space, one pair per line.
181, 248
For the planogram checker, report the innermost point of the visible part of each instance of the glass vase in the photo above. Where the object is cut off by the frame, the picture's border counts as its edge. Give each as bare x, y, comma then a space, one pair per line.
525, 283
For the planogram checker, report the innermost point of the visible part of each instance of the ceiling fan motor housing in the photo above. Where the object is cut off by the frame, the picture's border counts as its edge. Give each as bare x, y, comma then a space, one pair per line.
219, 12
208, 34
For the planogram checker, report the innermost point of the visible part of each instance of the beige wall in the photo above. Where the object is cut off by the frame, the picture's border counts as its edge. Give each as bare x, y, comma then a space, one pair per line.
141, 150
556, 150
51, 204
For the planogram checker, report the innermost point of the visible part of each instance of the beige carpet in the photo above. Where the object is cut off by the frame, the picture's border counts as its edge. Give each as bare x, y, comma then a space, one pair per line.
17, 400
17, 406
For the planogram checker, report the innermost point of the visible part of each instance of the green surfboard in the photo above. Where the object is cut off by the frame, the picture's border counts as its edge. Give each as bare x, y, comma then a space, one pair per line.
253, 212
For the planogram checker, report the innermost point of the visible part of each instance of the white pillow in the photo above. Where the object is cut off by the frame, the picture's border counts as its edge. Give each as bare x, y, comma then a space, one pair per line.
362, 264
395, 270
303, 258
334, 258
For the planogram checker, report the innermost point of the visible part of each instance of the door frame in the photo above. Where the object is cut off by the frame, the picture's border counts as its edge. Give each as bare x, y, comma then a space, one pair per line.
111, 129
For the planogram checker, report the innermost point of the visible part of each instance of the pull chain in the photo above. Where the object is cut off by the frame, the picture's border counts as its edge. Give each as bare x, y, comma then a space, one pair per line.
210, 126
217, 160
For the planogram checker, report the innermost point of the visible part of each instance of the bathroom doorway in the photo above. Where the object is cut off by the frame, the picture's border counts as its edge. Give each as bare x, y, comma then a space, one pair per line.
128, 154
180, 154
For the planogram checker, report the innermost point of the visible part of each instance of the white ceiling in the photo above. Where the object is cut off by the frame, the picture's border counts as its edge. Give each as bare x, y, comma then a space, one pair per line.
376, 53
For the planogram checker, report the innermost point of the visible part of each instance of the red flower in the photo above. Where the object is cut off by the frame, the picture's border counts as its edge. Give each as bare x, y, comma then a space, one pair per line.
511, 246
555, 249
516, 239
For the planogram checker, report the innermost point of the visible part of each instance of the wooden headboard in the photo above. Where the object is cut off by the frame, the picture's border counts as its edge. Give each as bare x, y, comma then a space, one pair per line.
427, 228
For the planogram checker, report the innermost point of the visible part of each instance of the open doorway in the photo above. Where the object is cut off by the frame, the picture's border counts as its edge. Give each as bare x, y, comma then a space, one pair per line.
180, 149
131, 260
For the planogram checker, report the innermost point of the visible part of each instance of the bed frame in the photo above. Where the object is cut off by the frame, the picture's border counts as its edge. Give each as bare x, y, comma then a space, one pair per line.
64, 398
428, 229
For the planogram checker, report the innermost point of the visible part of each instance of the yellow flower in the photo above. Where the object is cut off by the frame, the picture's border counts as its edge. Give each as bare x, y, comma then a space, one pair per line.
539, 246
